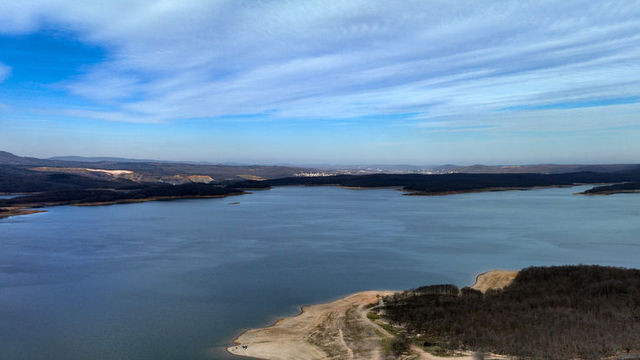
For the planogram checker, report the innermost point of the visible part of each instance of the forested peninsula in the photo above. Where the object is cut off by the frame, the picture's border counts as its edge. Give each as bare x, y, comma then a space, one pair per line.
441, 184
585, 312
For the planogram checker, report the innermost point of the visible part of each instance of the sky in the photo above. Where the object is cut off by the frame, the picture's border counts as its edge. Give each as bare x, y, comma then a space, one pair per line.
323, 82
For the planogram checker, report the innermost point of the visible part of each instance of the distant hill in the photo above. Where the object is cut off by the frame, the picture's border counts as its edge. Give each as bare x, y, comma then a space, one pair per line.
18, 173
542, 168
61, 181
7, 158
163, 167
156, 171
97, 159
19, 179
390, 169
108, 159
478, 169
70, 188
67, 182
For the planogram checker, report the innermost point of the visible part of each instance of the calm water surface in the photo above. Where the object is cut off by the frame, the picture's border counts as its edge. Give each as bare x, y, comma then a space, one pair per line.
177, 280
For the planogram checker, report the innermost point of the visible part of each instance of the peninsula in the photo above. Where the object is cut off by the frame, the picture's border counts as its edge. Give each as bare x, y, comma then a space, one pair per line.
623, 188
347, 328
505, 314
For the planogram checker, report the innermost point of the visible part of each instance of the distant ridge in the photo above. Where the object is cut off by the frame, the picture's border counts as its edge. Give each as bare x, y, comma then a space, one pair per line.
7, 158
110, 159
99, 159
24, 174
543, 168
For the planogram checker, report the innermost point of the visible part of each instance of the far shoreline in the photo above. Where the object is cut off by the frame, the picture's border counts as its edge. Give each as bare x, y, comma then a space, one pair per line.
7, 213
33, 208
23, 209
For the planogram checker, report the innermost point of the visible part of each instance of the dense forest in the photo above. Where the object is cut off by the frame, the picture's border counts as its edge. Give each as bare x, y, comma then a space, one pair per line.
17, 179
99, 195
565, 312
16, 169
459, 182
613, 189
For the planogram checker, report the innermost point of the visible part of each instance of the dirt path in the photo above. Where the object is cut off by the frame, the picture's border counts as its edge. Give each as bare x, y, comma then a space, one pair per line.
344, 344
362, 311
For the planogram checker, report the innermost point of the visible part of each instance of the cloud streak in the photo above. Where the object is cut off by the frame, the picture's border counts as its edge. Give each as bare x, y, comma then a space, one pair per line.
5, 71
320, 60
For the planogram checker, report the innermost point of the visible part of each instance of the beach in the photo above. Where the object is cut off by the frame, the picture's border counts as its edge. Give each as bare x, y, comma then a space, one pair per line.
8, 212
339, 329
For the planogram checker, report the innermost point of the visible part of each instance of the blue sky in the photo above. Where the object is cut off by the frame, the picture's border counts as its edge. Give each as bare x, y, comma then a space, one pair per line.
308, 82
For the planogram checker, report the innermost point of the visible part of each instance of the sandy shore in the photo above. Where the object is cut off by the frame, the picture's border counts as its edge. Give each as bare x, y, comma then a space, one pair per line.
24, 209
611, 192
335, 330
8, 212
340, 330
155, 198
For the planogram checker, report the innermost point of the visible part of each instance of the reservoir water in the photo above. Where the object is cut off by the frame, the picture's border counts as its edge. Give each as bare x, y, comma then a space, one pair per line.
179, 279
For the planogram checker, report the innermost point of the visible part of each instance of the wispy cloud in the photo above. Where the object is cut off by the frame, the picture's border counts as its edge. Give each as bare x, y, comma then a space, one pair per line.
4, 72
319, 60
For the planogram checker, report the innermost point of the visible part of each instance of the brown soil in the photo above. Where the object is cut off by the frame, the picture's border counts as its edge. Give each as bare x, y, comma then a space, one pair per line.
494, 279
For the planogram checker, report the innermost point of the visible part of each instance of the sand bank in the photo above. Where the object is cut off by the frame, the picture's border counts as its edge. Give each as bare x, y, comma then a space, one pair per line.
154, 198
8, 212
335, 330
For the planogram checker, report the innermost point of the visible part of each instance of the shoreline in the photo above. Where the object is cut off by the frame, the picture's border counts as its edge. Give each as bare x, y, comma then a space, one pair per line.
301, 310
610, 192
493, 189
341, 328
18, 210
22, 209
287, 337
157, 198
27, 209
10, 212
409, 192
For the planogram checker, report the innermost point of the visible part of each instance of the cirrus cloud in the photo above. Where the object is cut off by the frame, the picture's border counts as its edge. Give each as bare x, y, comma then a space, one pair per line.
5, 71
170, 60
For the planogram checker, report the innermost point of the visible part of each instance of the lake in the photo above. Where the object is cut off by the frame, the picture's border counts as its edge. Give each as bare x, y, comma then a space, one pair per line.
179, 279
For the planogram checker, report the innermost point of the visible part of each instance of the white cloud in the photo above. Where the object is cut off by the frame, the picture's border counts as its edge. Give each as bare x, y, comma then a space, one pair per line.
338, 59
5, 71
